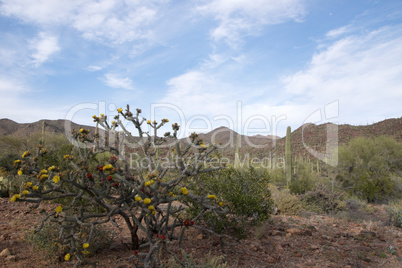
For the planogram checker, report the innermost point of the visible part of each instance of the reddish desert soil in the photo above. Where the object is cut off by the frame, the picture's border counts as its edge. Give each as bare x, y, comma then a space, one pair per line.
285, 241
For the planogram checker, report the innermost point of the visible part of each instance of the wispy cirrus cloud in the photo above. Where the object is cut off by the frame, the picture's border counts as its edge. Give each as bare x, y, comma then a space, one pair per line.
43, 46
117, 81
114, 22
243, 17
362, 71
335, 33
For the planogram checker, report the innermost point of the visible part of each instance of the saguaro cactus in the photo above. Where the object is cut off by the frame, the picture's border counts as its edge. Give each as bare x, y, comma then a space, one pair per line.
236, 163
288, 157
42, 142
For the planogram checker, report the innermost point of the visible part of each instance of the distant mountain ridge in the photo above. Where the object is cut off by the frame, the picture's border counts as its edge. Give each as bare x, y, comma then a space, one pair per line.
9, 127
308, 135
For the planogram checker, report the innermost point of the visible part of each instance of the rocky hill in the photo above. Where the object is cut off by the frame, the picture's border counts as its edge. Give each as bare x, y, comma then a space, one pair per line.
9, 127
308, 135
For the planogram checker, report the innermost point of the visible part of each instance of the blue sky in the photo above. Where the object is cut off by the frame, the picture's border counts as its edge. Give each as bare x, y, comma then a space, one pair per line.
256, 66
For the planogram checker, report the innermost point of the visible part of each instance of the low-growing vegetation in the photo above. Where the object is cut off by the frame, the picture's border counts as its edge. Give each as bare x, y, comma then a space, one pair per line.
92, 182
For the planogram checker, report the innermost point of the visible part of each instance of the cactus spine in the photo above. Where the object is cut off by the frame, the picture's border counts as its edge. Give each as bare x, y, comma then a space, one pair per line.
288, 157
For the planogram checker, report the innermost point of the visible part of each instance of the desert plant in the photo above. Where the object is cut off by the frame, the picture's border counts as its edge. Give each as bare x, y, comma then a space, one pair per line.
322, 199
277, 177
288, 157
141, 194
244, 193
189, 262
286, 202
395, 212
304, 180
368, 167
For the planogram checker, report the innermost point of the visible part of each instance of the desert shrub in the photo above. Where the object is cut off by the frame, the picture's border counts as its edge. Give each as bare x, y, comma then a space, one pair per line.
10, 144
46, 240
286, 202
277, 177
189, 262
4, 184
368, 167
7, 161
395, 212
244, 193
322, 199
304, 179
89, 196
356, 209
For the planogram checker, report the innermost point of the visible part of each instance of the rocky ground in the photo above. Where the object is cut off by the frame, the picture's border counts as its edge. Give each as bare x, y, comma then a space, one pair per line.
284, 241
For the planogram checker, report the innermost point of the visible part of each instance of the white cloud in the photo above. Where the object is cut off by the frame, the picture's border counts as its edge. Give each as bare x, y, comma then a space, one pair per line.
44, 46
116, 81
108, 21
196, 91
10, 87
103, 21
339, 31
244, 17
362, 71
94, 68
43, 12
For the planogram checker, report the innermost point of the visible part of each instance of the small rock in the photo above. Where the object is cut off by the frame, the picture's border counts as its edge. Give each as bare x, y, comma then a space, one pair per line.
6, 252
294, 231
326, 237
11, 258
275, 232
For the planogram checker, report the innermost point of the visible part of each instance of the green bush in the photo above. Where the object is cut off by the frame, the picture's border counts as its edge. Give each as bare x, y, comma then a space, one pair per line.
395, 211
304, 179
277, 177
286, 202
244, 193
369, 168
46, 240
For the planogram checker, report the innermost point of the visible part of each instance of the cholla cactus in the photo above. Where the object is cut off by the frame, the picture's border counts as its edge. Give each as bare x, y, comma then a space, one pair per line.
141, 195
